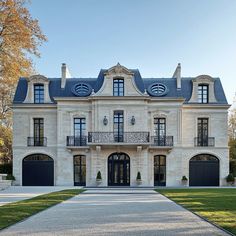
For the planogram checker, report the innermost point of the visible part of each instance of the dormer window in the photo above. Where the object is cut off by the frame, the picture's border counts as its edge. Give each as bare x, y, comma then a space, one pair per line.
38, 93
203, 93
118, 87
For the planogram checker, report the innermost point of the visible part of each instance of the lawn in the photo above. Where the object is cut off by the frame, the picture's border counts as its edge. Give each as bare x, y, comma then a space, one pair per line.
215, 205
15, 212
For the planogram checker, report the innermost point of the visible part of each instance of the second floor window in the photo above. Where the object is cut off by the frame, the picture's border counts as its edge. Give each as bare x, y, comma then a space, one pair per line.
38, 93
118, 126
118, 87
203, 93
79, 127
38, 132
160, 127
202, 130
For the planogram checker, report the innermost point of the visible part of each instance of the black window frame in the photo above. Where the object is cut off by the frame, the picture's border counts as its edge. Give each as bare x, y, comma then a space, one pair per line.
203, 93
38, 131
118, 87
80, 131
202, 131
80, 173
118, 125
39, 93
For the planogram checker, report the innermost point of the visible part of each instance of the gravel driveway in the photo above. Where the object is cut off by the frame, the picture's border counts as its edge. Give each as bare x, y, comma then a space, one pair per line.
115, 212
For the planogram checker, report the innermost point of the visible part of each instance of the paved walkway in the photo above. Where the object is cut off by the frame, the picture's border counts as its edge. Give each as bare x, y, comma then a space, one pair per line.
110, 212
17, 193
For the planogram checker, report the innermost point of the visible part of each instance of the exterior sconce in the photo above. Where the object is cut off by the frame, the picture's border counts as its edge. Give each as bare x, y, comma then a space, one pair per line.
132, 120
105, 121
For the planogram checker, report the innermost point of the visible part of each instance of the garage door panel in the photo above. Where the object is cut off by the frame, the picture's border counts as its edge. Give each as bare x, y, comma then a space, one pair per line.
38, 173
204, 173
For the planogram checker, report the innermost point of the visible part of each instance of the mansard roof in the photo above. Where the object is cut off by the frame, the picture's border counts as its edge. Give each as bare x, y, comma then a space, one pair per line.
142, 84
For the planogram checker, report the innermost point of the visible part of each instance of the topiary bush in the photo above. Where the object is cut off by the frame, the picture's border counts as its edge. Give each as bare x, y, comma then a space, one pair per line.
99, 175
6, 168
230, 178
138, 176
184, 178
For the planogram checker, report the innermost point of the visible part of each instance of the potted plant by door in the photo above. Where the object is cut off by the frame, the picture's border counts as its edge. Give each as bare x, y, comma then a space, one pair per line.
184, 181
99, 178
230, 179
139, 179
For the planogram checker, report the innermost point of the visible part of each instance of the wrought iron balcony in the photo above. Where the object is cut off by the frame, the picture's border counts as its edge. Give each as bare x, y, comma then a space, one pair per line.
204, 142
162, 141
125, 137
74, 141
37, 141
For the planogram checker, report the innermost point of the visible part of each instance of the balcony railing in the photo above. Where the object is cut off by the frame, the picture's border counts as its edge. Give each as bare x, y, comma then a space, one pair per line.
37, 141
125, 137
204, 142
162, 141
76, 141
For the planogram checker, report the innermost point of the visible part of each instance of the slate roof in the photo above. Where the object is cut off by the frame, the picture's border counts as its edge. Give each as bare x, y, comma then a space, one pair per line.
141, 83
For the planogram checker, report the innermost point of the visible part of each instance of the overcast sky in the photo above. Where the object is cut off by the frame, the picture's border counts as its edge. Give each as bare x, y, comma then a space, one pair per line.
151, 35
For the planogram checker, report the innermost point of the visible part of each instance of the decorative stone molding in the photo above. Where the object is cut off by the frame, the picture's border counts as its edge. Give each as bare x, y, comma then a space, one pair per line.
118, 69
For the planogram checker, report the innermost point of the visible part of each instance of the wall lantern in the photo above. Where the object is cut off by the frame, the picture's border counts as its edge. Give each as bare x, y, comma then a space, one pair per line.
105, 121
132, 120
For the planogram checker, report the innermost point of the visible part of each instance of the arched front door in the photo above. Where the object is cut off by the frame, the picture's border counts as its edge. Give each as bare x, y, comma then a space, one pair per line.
38, 170
118, 169
204, 170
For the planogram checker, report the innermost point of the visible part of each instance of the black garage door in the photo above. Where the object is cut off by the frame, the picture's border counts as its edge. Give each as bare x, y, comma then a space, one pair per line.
38, 170
204, 170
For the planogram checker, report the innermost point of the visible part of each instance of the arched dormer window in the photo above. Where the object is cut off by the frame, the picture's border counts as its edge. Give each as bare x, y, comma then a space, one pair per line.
38, 93
203, 93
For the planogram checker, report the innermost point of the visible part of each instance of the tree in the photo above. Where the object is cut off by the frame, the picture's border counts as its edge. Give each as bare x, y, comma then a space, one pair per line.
232, 141
20, 37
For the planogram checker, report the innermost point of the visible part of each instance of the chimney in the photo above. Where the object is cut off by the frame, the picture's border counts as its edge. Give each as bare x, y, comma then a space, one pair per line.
177, 75
65, 74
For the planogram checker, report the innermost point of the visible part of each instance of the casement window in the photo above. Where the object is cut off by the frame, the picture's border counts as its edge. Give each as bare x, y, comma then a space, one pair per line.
202, 129
38, 93
118, 87
118, 126
80, 131
160, 127
38, 132
203, 93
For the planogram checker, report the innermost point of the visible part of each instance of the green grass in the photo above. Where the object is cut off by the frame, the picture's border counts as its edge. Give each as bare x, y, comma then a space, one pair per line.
215, 205
15, 212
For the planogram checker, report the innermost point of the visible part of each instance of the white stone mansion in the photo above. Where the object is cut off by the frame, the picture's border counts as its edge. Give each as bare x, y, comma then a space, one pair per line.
66, 130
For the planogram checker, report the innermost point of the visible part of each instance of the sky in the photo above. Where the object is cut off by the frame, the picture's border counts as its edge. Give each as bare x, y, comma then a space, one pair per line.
150, 35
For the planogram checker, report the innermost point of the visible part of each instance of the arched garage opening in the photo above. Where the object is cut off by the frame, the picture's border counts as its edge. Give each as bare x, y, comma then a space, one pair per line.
204, 170
38, 170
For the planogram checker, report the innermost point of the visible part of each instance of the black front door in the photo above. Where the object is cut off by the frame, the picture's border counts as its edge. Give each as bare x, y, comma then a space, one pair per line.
118, 170
79, 170
159, 170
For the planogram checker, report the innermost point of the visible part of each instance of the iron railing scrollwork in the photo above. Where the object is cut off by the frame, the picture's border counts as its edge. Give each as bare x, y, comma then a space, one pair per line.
162, 141
76, 141
37, 141
112, 137
204, 142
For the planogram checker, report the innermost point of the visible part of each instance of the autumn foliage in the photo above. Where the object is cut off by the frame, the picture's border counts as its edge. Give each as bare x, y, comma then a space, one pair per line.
20, 37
